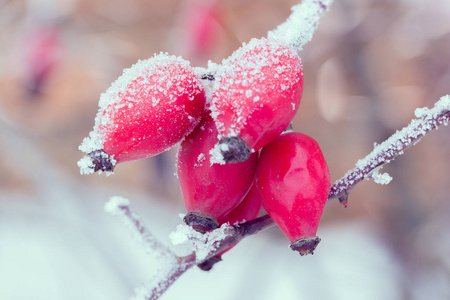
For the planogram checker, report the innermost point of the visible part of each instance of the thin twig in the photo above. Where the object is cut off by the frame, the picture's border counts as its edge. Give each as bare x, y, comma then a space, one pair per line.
428, 120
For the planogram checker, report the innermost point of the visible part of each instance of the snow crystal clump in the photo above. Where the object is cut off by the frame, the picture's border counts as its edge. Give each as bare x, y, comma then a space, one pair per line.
440, 106
381, 178
216, 154
86, 165
113, 205
181, 234
203, 244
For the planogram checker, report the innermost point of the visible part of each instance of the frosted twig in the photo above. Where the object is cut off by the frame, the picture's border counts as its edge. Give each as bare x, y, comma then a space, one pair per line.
120, 207
175, 266
299, 28
428, 120
166, 277
213, 242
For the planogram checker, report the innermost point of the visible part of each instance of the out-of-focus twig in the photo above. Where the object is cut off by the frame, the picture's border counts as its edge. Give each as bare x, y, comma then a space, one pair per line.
300, 26
174, 266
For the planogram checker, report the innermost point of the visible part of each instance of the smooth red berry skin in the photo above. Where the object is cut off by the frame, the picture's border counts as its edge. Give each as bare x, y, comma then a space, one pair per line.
258, 92
247, 210
149, 109
211, 189
294, 181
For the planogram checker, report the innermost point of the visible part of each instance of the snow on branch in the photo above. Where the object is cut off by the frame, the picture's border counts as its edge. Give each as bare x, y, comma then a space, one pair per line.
299, 28
366, 168
205, 247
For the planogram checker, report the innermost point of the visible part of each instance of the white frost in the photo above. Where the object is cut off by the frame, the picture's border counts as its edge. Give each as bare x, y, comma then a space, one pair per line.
216, 155
203, 244
299, 28
86, 165
113, 205
442, 105
381, 178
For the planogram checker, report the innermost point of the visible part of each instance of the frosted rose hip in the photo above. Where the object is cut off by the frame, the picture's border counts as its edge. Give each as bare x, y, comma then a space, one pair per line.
256, 95
149, 109
294, 182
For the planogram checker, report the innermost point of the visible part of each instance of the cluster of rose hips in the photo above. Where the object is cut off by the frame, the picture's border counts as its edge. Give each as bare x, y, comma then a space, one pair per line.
235, 154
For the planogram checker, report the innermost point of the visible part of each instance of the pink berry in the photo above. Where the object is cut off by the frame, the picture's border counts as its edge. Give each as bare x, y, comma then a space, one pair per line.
149, 109
294, 181
256, 95
210, 191
247, 210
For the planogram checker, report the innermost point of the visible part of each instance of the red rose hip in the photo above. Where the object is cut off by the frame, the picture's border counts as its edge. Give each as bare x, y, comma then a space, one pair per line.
256, 95
210, 191
294, 182
146, 111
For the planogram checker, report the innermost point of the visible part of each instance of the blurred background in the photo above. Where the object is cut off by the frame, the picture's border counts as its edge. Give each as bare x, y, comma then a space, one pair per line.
370, 64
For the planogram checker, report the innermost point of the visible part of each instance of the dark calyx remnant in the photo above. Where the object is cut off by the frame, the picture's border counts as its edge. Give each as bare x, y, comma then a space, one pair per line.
209, 263
305, 246
101, 161
208, 77
201, 222
236, 151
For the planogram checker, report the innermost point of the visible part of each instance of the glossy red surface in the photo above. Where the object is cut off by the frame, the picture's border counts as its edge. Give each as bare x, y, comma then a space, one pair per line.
212, 189
294, 181
247, 210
